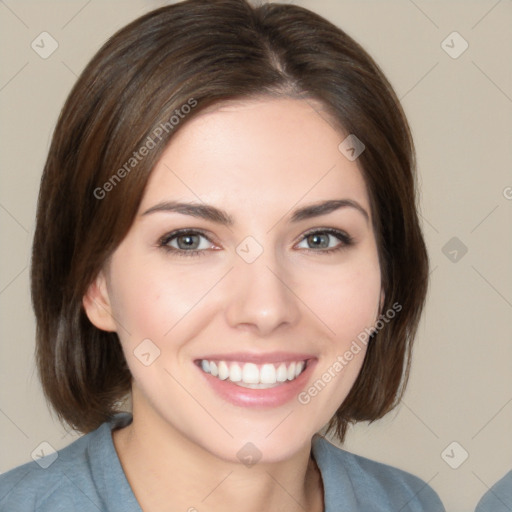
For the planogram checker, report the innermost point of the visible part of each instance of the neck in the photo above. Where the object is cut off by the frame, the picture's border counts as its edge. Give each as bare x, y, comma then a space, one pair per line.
168, 471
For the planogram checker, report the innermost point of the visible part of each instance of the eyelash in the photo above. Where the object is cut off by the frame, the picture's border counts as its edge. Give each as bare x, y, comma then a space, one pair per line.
346, 240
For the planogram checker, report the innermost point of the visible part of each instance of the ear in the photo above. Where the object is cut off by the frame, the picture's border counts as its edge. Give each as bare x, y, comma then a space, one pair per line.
97, 306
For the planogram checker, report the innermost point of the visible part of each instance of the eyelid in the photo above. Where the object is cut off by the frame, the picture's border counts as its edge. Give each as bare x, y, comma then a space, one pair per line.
343, 237
331, 231
185, 231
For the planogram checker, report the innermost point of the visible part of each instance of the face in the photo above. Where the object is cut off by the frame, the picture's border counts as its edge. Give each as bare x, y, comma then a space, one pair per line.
242, 279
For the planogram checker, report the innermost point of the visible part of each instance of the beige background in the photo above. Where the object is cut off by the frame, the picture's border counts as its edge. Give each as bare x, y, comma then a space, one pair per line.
460, 113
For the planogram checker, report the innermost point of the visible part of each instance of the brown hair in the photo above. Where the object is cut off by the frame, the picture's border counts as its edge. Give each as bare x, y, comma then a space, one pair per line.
200, 52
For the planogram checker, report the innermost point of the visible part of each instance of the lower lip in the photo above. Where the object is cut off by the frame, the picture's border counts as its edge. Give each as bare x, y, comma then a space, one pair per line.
271, 397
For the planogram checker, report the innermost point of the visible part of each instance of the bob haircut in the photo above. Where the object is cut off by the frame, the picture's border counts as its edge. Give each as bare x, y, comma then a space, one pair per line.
145, 83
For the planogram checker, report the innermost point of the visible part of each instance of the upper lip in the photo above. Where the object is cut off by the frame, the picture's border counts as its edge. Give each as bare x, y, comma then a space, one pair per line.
258, 358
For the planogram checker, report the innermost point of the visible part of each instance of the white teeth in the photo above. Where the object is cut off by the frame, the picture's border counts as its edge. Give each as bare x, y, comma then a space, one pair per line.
250, 375
235, 373
223, 370
291, 371
282, 373
268, 374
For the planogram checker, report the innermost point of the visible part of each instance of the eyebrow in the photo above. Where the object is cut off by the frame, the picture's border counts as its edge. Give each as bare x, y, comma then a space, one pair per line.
214, 214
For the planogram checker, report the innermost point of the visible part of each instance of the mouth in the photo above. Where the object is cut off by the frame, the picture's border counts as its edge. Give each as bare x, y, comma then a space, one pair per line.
251, 375
256, 380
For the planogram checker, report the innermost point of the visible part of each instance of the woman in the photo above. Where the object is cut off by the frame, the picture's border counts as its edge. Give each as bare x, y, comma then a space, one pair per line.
227, 235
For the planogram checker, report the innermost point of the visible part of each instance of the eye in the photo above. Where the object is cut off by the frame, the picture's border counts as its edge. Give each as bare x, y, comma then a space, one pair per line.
186, 242
320, 239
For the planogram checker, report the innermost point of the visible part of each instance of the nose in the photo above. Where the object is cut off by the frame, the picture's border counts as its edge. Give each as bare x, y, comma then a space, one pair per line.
261, 297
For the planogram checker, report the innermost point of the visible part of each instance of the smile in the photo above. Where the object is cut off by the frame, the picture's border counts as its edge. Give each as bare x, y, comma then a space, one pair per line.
251, 375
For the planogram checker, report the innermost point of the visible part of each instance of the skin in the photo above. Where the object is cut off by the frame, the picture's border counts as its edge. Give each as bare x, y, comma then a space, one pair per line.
259, 160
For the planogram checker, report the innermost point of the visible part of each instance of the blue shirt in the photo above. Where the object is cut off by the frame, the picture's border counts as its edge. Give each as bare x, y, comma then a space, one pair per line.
87, 476
499, 497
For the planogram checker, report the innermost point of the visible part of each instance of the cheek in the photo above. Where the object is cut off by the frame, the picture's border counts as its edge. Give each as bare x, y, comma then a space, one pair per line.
165, 304
354, 305
151, 299
346, 297
147, 304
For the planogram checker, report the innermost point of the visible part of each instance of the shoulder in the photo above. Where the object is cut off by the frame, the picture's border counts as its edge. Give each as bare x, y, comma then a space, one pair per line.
46, 482
371, 485
499, 497
58, 481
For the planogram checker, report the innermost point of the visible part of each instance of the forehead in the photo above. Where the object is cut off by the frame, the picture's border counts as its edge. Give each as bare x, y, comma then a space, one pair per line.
257, 155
